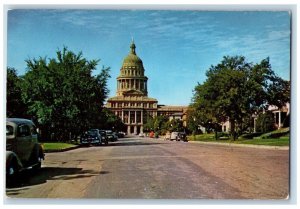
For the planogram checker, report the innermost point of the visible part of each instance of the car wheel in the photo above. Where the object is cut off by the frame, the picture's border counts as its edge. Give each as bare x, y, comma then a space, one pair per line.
38, 164
12, 174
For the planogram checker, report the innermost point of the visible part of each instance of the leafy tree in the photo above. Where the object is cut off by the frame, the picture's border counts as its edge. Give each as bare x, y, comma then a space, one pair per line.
15, 107
265, 122
234, 90
63, 94
175, 125
158, 124
149, 125
111, 121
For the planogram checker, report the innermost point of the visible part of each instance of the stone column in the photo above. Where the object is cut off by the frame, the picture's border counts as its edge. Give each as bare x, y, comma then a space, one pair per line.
129, 117
122, 116
139, 85
279, 119
135, 130
135, 117
128, 130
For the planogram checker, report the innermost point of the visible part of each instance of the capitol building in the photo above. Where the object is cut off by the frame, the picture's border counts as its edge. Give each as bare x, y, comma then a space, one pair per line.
132, 103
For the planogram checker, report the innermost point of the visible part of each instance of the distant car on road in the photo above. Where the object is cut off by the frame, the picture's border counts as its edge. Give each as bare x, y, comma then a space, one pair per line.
115, 136
104, 136
182, 136
111, 136
121, 134
23, 150
178, 136
141, 134
174, 136
94, 137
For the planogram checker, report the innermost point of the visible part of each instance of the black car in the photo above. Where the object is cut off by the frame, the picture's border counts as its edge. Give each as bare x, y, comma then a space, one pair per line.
94, 137
104, 136
182, 136
111, 136
23, 151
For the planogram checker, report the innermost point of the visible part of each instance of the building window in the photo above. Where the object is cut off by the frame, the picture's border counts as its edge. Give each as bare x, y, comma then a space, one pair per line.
126, 116
138, 117
132, 117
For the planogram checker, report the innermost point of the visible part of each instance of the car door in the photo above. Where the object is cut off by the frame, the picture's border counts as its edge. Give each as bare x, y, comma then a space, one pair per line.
25, 143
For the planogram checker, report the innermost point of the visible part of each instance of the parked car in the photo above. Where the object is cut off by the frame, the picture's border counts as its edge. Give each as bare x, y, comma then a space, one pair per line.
182, 136
174, 136
141, 134
104, 136
23, 150
109, 135
178, 136
121, 134
115, 136
94, 137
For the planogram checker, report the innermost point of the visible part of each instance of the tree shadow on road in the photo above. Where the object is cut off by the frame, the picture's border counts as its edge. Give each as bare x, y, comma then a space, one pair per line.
30, 178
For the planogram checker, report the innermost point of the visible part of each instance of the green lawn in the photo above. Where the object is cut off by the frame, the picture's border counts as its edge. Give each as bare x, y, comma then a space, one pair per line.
48, 146
281, 141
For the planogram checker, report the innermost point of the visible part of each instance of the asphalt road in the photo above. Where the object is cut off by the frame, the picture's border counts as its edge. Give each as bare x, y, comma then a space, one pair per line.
133, 168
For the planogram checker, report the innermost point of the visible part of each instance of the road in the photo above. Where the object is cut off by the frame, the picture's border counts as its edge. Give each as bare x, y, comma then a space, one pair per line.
134, 168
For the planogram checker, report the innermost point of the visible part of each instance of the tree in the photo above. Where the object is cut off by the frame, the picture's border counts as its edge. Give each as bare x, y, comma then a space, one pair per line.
157, 124
111, 121
265, 122
234, 90
15, 107
175, 125
63, 95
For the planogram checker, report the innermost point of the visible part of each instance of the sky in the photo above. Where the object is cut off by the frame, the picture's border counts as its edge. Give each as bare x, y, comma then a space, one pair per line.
176, 47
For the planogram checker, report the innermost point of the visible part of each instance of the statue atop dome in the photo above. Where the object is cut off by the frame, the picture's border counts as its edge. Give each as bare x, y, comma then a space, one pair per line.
132, 47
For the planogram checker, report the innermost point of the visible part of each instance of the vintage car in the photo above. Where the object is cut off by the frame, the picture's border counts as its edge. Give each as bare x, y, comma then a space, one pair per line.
23, 150
178, 136
112, 136
93, 137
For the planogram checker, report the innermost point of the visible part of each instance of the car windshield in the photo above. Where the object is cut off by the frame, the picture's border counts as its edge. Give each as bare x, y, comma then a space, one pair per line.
9, 130
92, 133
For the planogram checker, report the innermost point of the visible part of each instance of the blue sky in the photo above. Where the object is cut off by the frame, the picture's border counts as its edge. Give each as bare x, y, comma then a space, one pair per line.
177, 47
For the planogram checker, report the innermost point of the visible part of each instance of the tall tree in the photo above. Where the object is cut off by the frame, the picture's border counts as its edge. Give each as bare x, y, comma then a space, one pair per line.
14, 104
63, 94
235, 89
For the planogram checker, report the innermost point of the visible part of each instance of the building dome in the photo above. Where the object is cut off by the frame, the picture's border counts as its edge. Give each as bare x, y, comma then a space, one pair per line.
132, 80
132, 60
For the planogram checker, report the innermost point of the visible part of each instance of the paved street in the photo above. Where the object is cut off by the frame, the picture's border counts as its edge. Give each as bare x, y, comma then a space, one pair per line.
155, 168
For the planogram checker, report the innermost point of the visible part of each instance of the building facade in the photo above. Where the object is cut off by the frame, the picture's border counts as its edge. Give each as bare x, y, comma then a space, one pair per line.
131, 102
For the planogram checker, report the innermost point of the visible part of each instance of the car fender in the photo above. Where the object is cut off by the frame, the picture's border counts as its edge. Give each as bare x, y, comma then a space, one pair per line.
37, 151
11, 157
41, 151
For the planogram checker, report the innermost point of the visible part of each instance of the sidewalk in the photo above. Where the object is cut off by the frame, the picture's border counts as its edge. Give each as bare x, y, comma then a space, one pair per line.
243, 145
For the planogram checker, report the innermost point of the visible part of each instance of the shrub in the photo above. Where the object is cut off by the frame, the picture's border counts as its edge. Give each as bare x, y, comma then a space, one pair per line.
250, 135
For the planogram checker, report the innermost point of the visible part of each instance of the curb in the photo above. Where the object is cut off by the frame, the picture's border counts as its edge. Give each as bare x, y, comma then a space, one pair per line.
61, 150
243, 145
